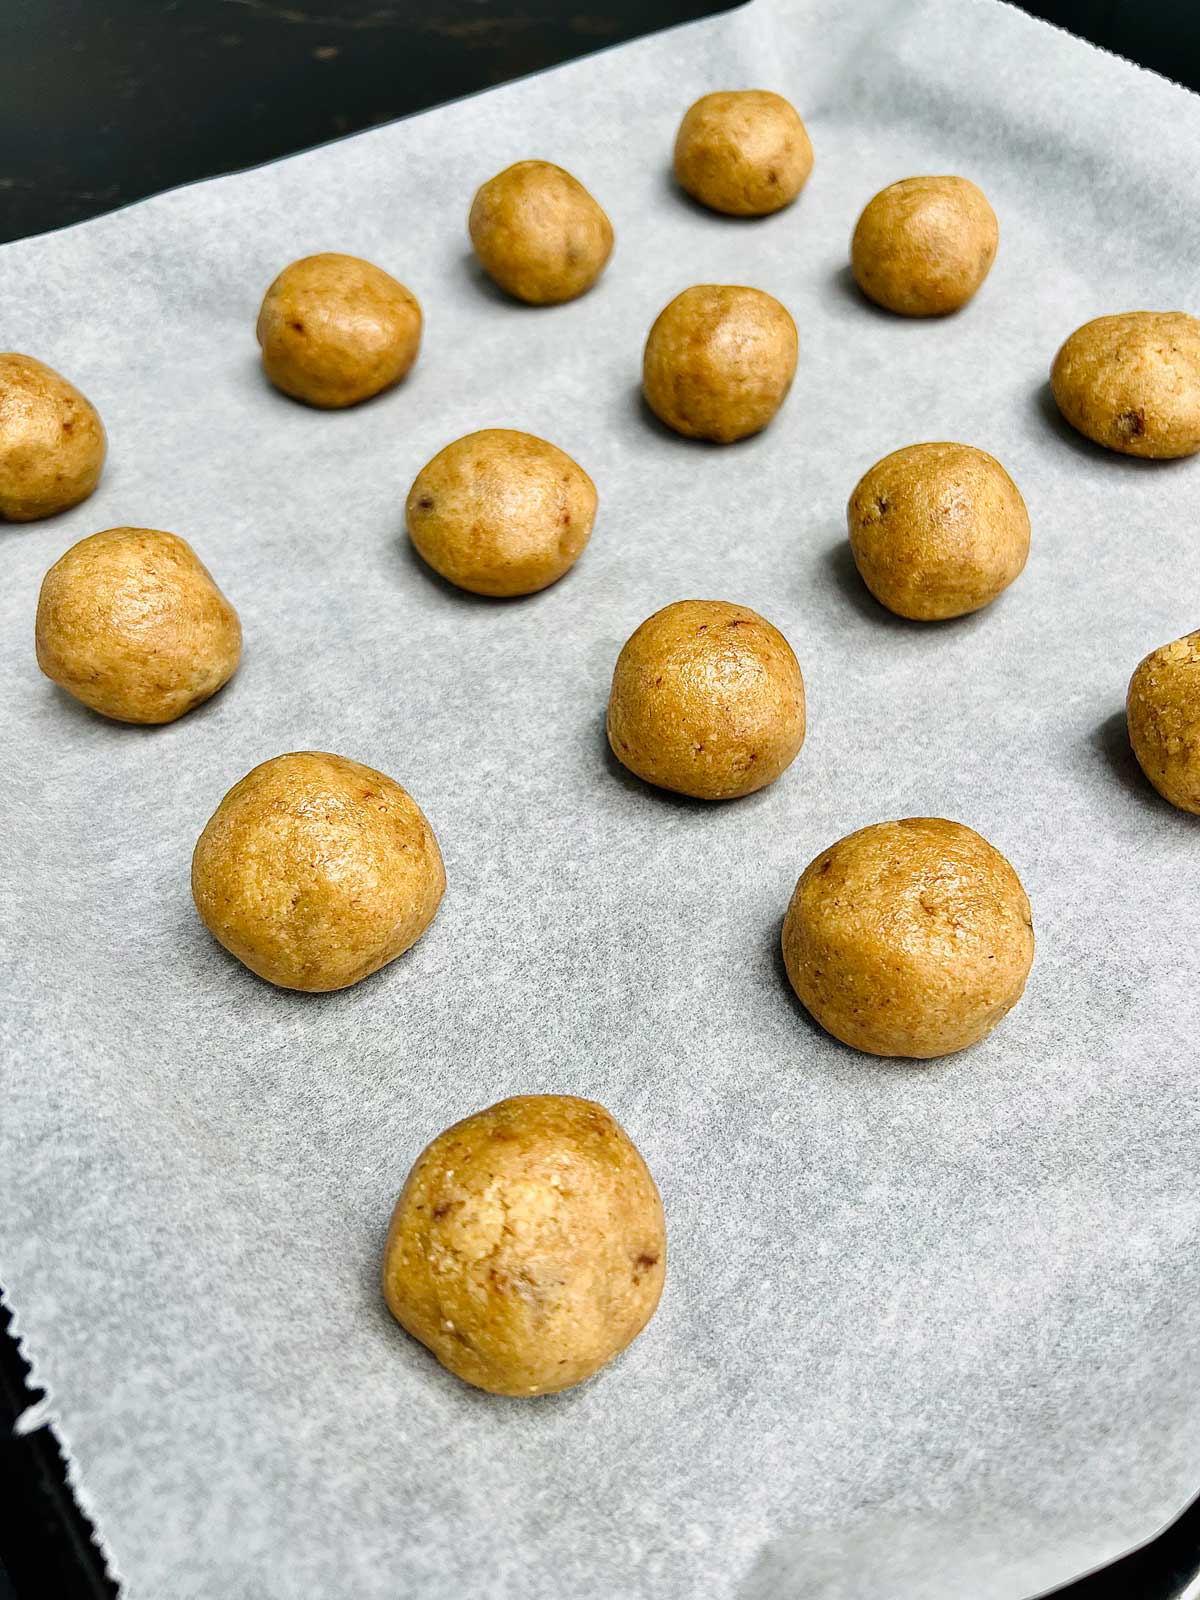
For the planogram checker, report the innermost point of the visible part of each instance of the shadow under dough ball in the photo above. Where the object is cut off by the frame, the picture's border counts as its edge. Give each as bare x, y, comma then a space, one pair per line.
52, 442
1132, 383
539, 234
923, 246
1163, 712
744, 152
528, 1246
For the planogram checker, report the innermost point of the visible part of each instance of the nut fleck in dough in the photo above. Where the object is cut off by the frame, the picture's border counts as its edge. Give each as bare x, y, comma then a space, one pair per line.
130, 622
539, 234
719, 362
500, 512
937, 530
335, 330
923, 246
52, 442
1132, 382
1163, 710
315, 871
743, 151
528, 1245
909, 938
707, 699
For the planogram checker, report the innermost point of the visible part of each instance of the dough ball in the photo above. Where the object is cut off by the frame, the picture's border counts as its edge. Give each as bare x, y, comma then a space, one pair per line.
501, 512
315, 871
528, 1246
707, 699
909, 938
130, 622
719, 362
743, 151
335, 330
1163, 710
52, 442
923, 246
539, 234
1132, 382
937, 530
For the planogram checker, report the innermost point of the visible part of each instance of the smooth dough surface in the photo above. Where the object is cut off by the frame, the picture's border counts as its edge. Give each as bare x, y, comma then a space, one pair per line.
1163, 712
744, 152
52, 442
923, 246
539, 234
1132, 383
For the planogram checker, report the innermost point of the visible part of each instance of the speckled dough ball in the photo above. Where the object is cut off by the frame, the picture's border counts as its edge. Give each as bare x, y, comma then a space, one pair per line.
1163, 710
937, 530
130, 622
315, 871
528, 1245
744, 152
923, 246
52, 442
539, 234
1132, 382
909, 938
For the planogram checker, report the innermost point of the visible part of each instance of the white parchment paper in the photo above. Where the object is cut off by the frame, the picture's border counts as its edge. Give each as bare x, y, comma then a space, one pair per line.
928, 1331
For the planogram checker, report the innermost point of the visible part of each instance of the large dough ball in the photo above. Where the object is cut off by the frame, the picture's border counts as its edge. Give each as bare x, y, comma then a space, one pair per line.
937, 530
500, 512
315, 871
539, 234
1132, 382
1163, 711
528, 1246
130, 622
743, 151
707, 699
909, 938
923, 246
52, 442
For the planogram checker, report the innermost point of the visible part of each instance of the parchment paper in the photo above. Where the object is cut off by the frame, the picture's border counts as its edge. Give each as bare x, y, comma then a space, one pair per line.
928, 1330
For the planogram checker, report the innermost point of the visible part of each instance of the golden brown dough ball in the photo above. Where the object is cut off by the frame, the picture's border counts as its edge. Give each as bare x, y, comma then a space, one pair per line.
1163, 711
52, 442
335, 330
1132, 382
539, 234
528, 1245
743, 151
500, 512
130, 622
923, 246
719, 362
937, 530
315, 871
707, 699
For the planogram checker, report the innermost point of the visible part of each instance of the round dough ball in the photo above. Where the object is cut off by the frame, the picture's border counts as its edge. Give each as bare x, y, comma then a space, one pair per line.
539, 234
315, 871
937, 530
528, 1245
500, 512
1163, 711
335, 330
719, 362
707, 699
923, 246
744, 152
130, 622
52, 442
1132, 383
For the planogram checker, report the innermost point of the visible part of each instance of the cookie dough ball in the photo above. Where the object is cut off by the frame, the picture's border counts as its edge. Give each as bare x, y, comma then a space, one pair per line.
500, 512
923, 246
539, 234
335, 330
528, 1246
315, 871
52, 442
937, 530
1163, 710
707, 699
719, 362
1132, 383
743, 151
909, 938
130, 622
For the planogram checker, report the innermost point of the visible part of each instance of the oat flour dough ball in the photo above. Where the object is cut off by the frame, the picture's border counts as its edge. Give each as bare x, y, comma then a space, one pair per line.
743, 151
937, 530
130, 622
719, 362
335, 330
1163, 711
923, 246
539, 234
315, 871
1132, 382
501, 512
909, 938
52, 442
528, 1246
707, 699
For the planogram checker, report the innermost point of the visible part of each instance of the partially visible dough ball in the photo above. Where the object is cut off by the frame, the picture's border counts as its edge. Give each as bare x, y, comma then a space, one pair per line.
909, 938
500, 512
743, 151
528, 1245
130, 622
539, 234
315, 871
1163, 711
923, 246
707, 699
1132, 382
52, 442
